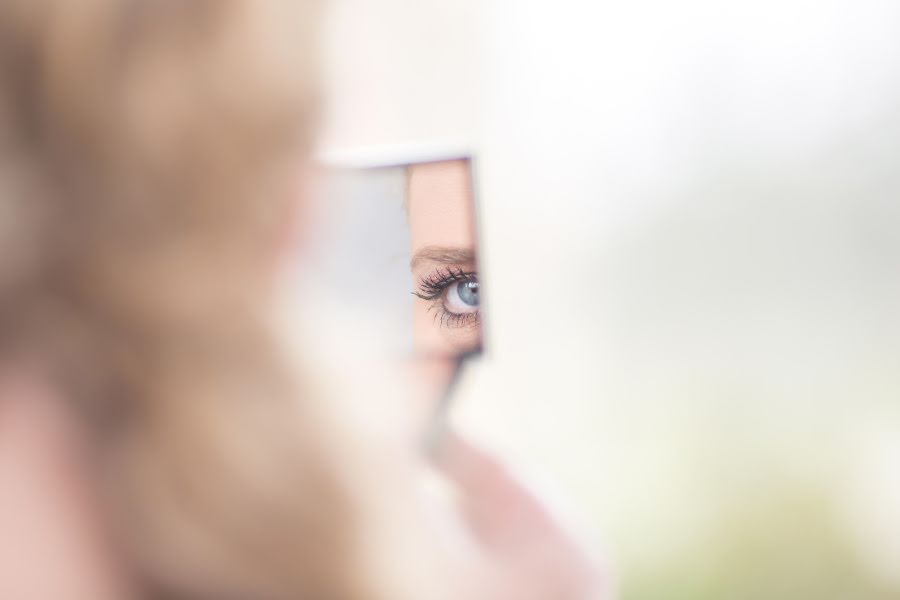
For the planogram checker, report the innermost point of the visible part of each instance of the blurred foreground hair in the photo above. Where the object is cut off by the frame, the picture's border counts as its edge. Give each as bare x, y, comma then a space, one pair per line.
145, 157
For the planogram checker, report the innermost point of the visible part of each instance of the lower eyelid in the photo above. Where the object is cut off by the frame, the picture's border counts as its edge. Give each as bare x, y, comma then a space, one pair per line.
465, 321
445, 318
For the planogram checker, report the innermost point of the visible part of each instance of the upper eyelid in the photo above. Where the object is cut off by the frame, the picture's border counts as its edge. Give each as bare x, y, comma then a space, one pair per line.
426, 268
447, 275
433, 285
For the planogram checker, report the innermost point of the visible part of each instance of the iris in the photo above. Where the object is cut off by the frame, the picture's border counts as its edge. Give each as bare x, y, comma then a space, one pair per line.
468, 292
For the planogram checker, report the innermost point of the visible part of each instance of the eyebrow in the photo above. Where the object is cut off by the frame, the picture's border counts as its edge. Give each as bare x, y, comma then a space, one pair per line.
444, 255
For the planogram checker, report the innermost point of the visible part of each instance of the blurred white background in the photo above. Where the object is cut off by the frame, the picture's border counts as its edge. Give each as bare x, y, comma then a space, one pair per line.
691, 264
401, 72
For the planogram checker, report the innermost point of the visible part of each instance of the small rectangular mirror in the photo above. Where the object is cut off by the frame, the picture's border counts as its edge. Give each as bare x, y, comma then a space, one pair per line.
398, 244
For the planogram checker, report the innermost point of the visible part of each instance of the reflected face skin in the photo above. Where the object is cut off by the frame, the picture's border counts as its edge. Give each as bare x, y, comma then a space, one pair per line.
447, 313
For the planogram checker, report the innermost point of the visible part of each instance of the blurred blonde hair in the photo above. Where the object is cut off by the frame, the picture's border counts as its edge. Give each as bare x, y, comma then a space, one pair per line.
145, 157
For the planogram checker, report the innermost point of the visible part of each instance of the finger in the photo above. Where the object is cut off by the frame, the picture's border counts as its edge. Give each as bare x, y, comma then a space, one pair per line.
500, 508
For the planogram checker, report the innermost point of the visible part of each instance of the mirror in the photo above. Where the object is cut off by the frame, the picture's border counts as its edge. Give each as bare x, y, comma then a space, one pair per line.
443, 264
399, 246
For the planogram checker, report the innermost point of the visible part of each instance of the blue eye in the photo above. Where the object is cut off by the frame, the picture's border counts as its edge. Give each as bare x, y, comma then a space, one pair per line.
462, 296
454, 295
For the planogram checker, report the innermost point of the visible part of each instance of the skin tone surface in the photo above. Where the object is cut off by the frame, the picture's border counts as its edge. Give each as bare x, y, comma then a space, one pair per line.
447, 316
54, 544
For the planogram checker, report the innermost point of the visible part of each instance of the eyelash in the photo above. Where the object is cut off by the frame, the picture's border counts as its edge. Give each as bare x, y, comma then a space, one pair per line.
433, 287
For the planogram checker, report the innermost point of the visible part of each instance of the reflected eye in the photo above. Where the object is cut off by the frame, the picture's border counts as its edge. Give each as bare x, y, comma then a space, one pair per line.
454, 295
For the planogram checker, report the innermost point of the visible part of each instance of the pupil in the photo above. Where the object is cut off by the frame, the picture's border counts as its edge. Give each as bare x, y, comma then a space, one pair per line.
468, 292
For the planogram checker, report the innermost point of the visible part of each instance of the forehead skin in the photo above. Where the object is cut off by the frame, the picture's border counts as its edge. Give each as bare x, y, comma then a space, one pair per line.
440, 205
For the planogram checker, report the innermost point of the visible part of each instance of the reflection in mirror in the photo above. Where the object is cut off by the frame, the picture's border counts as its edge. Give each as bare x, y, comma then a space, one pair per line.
398, 244
447, 314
